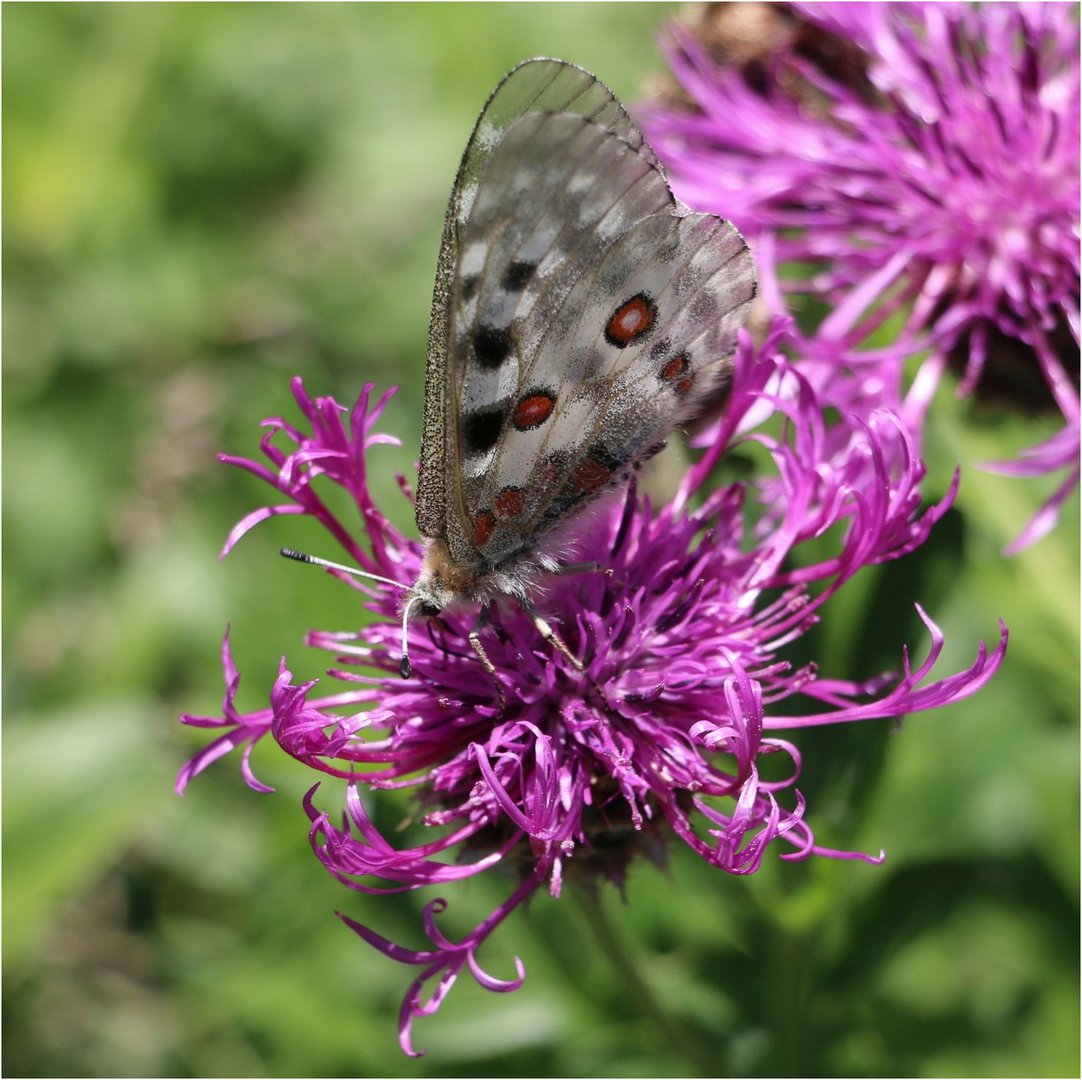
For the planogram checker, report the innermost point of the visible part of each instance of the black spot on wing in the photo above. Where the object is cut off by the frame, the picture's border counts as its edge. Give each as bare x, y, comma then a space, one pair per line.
660, 348
491, 345
517, 275
481, 429
468, 285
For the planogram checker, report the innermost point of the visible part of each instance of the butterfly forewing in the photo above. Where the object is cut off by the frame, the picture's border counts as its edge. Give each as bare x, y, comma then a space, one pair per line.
543, 86
580, 313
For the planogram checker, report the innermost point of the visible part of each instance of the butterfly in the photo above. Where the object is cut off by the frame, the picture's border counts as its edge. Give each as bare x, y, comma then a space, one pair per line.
579, 314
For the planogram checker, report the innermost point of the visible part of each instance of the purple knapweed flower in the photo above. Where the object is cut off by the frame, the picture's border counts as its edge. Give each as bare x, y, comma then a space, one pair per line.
682, 632
923, 157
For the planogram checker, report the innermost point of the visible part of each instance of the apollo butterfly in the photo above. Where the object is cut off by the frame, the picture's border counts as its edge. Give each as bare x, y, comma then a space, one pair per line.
579, 314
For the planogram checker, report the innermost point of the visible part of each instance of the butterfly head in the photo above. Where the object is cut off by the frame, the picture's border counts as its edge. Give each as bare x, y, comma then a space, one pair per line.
441, 583
426, 598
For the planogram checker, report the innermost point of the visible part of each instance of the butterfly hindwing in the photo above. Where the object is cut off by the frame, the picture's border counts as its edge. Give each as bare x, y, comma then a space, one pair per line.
633, 350
580, 314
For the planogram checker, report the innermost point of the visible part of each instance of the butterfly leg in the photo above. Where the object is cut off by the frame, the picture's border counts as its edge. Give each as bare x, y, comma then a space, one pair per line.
578, 567
479, 649
548, 633
584, 568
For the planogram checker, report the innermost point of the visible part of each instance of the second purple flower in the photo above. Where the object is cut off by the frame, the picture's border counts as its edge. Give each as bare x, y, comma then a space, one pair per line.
922, 160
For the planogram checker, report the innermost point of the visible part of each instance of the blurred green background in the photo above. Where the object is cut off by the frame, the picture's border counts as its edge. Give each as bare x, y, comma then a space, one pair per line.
203, 200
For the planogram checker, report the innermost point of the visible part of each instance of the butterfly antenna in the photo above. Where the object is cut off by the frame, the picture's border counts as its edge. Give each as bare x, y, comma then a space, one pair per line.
315, 560
404, 668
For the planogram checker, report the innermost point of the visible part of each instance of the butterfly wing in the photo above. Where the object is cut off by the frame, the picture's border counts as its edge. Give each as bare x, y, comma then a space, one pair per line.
542, 86
580, 313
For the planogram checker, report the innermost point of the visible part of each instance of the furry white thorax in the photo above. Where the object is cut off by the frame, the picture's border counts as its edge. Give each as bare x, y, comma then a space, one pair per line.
443, 582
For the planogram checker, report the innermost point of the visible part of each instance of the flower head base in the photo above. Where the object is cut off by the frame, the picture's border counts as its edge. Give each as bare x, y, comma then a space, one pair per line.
930, 148
681, 633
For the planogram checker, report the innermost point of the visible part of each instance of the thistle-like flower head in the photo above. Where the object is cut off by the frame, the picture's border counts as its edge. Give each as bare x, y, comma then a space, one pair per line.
921, 155
681, 631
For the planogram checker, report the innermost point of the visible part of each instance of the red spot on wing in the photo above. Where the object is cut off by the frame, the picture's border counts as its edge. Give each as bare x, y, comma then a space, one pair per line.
508, 502
483, 525
590, 474
630, 321
533, 410
548, 472
673, 369
676, 372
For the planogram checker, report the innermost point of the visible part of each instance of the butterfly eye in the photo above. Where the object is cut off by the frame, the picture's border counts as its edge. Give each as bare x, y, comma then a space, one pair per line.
428, 609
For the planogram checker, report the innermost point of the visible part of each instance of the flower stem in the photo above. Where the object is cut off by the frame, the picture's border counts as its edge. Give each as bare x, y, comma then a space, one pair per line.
671, 1031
